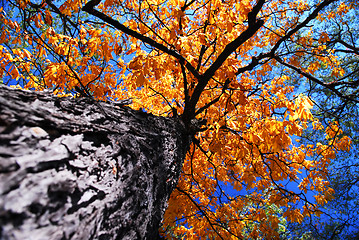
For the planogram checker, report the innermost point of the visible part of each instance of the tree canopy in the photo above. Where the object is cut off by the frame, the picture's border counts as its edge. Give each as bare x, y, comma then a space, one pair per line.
225, 68
340, 218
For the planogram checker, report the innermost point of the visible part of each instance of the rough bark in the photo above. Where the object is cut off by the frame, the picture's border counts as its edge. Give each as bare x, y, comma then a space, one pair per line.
75, 169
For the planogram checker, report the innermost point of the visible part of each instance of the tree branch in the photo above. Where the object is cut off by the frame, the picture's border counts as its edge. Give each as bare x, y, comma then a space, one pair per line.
253, 26
311, 16
89, 8
314, 79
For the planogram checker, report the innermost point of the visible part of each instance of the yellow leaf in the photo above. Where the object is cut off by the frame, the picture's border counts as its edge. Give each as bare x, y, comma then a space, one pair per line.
136, 63
15, 73
48, 17
229, 26
140, 78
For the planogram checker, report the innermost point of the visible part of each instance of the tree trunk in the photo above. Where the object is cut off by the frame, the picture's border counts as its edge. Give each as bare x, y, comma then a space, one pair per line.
79, 169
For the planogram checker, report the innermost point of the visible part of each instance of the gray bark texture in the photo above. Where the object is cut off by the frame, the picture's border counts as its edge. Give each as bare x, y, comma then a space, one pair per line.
79, 169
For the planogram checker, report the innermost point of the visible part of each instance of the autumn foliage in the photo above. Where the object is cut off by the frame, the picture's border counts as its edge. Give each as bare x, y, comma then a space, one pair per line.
227, 62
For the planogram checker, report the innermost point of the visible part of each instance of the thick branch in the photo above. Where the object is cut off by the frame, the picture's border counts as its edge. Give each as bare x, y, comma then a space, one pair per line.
116, 24
311, 16
316, 80
225, 87
253, 26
